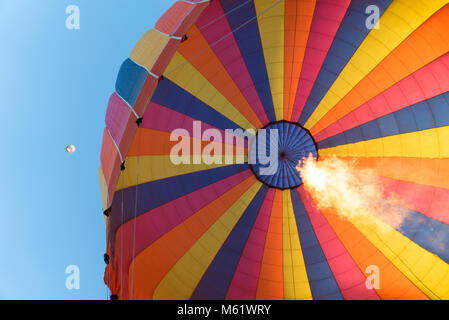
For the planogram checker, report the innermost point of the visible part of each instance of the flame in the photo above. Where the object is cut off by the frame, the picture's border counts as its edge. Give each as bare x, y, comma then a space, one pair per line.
352, 194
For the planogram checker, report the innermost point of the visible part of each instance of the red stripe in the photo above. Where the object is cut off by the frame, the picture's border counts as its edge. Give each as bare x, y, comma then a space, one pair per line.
425, 83
430, 201
349, 277
326, 21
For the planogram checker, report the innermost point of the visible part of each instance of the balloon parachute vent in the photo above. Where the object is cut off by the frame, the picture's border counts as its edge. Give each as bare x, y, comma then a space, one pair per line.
288, 143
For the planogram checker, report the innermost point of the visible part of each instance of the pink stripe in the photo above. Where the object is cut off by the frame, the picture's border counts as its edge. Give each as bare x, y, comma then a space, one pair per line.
430, 201
425, 83
117, 113
110, 164
153, 224
326, 21
228, 52
349, 277
158, 117
244, 283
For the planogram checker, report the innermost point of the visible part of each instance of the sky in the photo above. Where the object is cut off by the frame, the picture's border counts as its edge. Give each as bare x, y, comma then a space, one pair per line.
54, 87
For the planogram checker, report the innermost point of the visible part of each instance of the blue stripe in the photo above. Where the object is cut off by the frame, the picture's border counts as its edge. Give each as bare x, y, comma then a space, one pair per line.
321, 280
428, 233
248, 40
156, 193
216, 280
348, 38
130, 80
432, 113
174, 97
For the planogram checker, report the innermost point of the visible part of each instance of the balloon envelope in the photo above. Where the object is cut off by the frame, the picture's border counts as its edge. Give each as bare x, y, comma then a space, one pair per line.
190, 219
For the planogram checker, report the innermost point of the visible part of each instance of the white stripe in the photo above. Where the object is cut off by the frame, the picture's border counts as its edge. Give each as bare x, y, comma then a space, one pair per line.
153, 75
118, 150
166, 34
149, 72
135, 114
202, 1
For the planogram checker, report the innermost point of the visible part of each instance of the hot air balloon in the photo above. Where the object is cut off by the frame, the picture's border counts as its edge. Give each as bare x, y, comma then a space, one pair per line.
329, 83
70, 148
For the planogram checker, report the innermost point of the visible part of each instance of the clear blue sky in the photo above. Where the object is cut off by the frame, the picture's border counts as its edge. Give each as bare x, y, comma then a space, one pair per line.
54, 88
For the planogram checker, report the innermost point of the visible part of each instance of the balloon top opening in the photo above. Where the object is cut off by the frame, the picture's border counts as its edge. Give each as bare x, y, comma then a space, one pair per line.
276, 151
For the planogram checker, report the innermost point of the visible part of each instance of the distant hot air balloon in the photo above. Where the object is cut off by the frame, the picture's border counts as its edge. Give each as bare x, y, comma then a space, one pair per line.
70, 148
314, 72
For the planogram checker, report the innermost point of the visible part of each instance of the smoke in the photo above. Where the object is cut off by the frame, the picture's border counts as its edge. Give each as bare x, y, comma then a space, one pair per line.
351, 193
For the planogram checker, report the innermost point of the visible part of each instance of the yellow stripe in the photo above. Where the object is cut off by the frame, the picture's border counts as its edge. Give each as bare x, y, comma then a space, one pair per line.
149, 48
158, 167
429, 273
430, 143
400, 19
296, 283
186, 76
271, 29
183, 278
103, 188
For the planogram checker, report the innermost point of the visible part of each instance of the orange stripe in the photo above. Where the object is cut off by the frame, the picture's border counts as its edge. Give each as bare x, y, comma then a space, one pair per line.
393, 284
426, 171
213, 70
425, 44
154, 142
152, 264
298, 18
271, 278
